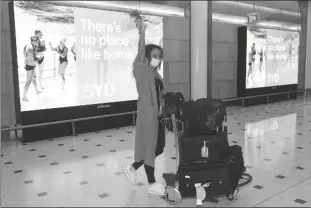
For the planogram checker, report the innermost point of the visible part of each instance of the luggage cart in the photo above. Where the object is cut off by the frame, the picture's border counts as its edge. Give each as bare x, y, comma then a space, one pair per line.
172, 194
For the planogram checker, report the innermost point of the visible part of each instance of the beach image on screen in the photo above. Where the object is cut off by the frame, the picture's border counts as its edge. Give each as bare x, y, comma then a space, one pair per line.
272, 58
83, 56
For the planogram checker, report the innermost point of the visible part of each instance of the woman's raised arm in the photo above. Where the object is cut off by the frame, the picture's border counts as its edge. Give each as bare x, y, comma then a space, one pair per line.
141, 44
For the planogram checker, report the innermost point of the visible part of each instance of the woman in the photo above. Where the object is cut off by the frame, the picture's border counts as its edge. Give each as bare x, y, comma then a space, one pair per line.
40, 55
150, 134
62, 51
250, 66
260, 53
30, 65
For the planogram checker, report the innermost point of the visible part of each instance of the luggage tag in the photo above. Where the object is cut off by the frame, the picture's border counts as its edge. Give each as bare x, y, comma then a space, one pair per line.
224, 123
200, 194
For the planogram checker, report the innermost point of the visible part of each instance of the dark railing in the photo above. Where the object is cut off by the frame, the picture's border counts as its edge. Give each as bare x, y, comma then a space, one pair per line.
133, 113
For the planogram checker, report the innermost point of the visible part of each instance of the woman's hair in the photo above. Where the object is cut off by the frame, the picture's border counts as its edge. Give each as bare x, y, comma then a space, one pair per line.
37, 32
34, 39
148, 50
64, 41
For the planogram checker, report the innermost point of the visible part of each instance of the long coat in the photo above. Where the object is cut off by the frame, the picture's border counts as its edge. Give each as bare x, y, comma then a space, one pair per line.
147, 146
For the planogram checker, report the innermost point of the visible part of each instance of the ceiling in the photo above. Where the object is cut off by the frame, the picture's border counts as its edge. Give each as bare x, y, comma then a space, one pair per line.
234, 8
291, 6
242, 8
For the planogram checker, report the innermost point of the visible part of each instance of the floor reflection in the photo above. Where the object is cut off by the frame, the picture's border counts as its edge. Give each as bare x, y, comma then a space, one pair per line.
85, 171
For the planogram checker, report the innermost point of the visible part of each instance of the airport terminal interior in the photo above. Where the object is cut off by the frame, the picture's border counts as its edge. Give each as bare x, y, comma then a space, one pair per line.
60, 149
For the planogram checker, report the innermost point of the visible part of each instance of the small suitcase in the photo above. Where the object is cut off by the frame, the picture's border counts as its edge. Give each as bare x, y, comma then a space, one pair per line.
216, 175
191, 146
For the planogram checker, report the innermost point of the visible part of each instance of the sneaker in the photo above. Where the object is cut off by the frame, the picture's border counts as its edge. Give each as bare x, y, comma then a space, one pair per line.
156, 189
130, 174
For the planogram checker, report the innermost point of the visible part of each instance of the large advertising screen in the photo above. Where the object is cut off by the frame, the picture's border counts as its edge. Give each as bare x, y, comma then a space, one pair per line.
272, 58
83, 56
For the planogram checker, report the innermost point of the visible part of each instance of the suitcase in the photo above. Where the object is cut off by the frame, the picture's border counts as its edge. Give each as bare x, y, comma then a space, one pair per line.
203, 116
190, 149
216, 174
221, 177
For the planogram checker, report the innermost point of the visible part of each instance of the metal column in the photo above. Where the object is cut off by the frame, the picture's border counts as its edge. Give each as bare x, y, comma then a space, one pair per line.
209, 49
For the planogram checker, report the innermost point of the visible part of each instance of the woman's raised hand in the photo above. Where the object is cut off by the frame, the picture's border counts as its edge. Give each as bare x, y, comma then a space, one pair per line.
141, 26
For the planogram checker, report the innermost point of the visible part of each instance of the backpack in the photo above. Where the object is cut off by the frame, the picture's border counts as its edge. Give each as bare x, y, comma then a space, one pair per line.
235, 160
172, 102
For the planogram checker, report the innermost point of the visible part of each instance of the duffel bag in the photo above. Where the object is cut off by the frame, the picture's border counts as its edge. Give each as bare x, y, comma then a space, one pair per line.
203, 116
191, 147
214, 115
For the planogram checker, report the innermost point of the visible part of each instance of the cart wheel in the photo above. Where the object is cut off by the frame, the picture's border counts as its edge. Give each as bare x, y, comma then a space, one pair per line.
230, 197
172, 195
233, 196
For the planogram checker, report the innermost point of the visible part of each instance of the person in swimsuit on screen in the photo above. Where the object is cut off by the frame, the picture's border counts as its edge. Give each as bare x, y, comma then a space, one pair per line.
251, 62
62, 51
261, 54
30, 65
74, 51
102, 63
290, 49
40, 49
253, 50
250, 68
150, 135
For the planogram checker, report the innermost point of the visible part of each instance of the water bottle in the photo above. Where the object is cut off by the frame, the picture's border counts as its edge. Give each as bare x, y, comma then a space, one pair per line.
204, 151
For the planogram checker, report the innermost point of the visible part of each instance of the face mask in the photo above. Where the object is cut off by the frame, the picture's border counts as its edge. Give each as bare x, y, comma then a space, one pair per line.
155, 62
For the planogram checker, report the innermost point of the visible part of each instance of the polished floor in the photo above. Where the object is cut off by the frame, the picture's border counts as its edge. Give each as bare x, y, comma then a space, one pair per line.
86, 170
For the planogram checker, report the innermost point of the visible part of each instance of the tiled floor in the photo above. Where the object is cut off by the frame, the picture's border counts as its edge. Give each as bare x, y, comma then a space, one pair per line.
86, 170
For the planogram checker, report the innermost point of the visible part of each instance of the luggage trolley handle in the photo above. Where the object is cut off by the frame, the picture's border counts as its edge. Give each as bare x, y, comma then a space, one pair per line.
176, 137
171, 119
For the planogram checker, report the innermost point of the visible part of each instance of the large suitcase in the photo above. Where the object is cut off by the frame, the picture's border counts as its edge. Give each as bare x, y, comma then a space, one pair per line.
221, 177
203, 116
191, 146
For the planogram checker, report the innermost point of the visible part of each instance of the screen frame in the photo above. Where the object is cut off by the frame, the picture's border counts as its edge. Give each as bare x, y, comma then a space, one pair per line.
242, 91
18, 112
64, 113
